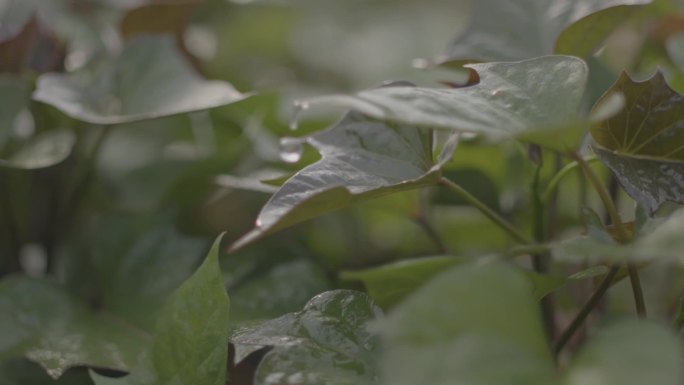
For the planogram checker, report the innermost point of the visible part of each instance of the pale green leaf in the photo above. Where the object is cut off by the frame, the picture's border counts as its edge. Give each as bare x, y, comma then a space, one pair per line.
150, 79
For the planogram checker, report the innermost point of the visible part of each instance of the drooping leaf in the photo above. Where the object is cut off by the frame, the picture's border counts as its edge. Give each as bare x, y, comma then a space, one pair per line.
148, 80
629, 353
389, 284
43, 150
326, 343
511, 99
484, 328
644, 144
361, 158
190, 344
522, 29
42, 322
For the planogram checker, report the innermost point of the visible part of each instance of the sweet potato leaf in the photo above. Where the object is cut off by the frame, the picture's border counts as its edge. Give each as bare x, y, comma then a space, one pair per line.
326, 343
362, 158
644, 144
149, 79
522, 29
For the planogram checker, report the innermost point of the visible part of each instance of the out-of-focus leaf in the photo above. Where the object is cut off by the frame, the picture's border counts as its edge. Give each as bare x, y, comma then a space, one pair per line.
150, 79
14, 97
19, 371
44, 150
361, 159
484, 328
40, 321
190, 345
644, 144
511, 99
326, 343
629, 353
157, 18
272, 293
522, 29
657, 239
389, 284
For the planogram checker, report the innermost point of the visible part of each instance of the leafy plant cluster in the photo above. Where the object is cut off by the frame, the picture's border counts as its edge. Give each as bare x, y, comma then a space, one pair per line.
520, 223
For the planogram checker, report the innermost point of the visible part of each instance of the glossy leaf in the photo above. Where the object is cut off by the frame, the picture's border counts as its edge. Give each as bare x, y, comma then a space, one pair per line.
522, 29
361, 159
644, 144
325, 343
511, 99
629, 353
389, 284
42, 322
148, 80
484, 328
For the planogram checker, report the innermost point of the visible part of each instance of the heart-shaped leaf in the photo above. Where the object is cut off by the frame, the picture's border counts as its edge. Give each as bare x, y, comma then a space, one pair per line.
325, 343
42, 322
511, 99
361, 158
522, 29
150, 79
644, 144
484, 328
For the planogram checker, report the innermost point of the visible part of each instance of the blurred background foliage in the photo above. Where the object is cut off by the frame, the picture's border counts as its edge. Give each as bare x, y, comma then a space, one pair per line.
157, 191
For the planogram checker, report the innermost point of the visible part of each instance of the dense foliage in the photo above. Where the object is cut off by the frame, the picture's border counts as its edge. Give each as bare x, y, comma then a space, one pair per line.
514, 217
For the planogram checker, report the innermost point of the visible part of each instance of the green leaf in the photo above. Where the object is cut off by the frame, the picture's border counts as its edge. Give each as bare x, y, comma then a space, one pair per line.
269, 292
657, 239
629, 353
43, 150
511, 99
42, 322
150, 79
14, 97
190, 344
158, 18
361, 159
522, 29
644, 144
191, 339
389, 284
325, 343
483, 328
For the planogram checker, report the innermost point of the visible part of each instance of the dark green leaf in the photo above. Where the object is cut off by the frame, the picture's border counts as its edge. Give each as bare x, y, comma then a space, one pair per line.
150, 79
483, 328
511, 99
644, 144
361, 159
40, 321
389, 284
522, 29
325, 343
158, 18
14, 97
630, 353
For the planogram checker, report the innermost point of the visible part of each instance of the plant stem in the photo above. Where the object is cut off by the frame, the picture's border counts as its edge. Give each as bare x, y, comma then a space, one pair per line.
531, 249
585, 310
560, 175
484, 209
678, 323
622, 236
431, 232
13, 237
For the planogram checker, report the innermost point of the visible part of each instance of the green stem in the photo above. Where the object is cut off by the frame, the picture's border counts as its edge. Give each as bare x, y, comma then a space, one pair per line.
532, 249
13, 236
622, 235
560, 175
431, 232
585, 310
484, 209
678, 323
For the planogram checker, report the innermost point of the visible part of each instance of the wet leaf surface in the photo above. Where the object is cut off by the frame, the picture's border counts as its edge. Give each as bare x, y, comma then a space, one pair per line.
327, 342
644, 144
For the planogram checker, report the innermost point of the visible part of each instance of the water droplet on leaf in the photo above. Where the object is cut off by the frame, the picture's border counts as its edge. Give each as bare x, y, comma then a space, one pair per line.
291, 149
